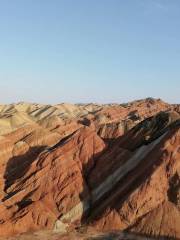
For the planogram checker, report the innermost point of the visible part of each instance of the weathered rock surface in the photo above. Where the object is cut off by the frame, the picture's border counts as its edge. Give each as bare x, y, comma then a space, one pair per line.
110, 167
150, 202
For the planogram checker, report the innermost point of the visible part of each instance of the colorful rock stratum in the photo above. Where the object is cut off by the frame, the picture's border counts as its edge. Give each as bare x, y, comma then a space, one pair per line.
89, 171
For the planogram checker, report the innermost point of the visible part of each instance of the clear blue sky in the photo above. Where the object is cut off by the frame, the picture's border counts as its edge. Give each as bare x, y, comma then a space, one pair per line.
89, 50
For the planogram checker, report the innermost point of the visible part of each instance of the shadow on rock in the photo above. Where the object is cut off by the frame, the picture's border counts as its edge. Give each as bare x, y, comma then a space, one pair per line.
19, 165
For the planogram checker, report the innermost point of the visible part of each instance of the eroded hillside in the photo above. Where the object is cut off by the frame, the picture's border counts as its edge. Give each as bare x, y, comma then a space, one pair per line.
106, 167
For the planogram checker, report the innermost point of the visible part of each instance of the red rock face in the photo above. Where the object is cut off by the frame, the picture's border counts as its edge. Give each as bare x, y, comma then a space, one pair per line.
40, 189
110, 167
154, 190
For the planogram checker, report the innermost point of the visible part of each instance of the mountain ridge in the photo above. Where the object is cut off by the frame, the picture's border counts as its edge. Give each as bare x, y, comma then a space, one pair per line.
66, 166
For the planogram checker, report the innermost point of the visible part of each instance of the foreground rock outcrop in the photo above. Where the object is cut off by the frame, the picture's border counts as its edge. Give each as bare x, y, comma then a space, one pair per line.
108, 167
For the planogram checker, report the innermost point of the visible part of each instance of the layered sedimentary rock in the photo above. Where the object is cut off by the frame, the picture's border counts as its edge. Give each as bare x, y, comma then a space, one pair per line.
147, 201
110, 167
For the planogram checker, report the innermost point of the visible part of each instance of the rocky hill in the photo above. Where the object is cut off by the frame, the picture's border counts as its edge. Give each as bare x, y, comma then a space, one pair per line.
103, 168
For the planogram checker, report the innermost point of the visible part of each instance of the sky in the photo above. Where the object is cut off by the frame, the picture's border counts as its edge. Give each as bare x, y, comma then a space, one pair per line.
54, 51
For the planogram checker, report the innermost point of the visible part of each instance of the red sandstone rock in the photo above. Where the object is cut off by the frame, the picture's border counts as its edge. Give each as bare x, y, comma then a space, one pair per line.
112, 167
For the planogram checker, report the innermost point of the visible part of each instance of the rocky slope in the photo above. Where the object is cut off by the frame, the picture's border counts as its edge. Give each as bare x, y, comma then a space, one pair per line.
106, 167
